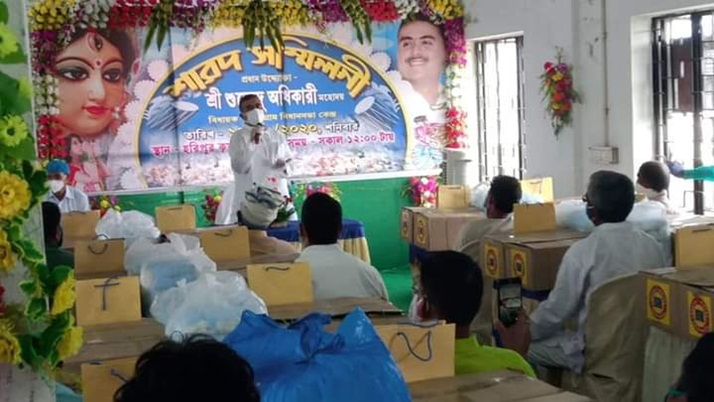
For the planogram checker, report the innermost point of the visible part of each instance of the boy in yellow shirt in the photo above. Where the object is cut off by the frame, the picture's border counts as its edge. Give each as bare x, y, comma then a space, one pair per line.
451, 290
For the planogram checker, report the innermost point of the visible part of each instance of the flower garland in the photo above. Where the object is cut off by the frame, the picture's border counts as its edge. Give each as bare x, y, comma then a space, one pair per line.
558, 91
104, 203
41, 333
304, 190
423, 191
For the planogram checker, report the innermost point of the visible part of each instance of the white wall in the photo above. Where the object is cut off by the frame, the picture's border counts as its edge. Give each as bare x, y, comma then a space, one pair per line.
576, 26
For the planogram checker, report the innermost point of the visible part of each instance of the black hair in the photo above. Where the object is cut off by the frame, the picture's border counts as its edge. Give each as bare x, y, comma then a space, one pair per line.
655, 175
611, 195
698, 371
421, 17
322, 219
198, 368
246, 98
119, 39
505, 191
452, 283
51, 218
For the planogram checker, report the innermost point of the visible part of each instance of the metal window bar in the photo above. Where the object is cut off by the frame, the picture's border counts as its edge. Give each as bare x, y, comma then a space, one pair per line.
481, 105
697, 84
521, 108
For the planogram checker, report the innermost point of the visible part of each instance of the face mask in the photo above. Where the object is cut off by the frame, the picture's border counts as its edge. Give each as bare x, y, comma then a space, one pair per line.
415, 309
648, 192
255, 117
56, 185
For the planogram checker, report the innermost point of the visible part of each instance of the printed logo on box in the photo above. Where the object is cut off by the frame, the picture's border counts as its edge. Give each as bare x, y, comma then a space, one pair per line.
421, 231
658, 302
518, 260
700, 320
492, 262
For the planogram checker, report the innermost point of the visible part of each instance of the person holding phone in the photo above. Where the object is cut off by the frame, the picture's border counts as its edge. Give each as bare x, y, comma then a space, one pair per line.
451, 290
615, 248
260, 156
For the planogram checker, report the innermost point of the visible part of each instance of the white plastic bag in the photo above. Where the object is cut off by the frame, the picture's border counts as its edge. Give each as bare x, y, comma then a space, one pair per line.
129, 225
479, 195
213, 304
181, 247
571, 214
226, 213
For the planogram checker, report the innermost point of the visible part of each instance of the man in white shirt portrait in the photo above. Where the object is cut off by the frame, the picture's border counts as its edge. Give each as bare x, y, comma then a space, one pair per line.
421, 58
335, 273
68, 198
615, 248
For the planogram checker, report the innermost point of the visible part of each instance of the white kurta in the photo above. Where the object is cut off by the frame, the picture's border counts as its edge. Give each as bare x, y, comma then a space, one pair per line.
611, 250
254, 164
74, 200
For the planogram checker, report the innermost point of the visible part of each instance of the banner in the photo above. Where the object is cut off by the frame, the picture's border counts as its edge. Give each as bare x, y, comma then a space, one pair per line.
162, 119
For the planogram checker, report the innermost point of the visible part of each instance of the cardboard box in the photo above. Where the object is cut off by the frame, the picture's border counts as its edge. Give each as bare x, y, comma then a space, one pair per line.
536, 256
453, 197
680, 301
102, 379
530, 218
503, 386
407, 222
436, 230
335, 308
541, 187
692, 246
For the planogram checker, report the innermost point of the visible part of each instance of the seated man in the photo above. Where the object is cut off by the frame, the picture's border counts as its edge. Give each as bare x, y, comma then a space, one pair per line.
505, 191
258, 210
335, 273
54, 252
653, 183
67, 197
451, 290
697, 372
196, 369
614, 248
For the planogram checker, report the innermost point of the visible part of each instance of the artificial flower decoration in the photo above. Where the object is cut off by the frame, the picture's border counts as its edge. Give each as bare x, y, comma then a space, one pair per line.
558, 91
7, 257
14, 195
455, 128
104, 203
445, 9
13, 131
291, 12
64, 296
71, 343
8, 41
3, 308
9, 345
423, 191
49, 14
210, 205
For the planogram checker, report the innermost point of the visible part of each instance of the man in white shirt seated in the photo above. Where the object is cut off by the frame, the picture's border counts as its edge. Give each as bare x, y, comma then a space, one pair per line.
335, 273
615, 248
653, 183
68, 198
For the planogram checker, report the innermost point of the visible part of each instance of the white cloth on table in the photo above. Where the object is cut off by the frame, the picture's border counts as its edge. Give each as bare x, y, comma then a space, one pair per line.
75, 200
610, 251
337, 274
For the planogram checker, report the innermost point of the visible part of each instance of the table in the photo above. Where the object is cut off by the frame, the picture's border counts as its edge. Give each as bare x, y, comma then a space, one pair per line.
352, 239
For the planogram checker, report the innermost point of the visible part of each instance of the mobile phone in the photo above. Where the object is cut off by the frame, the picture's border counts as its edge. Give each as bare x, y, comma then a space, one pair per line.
510, 300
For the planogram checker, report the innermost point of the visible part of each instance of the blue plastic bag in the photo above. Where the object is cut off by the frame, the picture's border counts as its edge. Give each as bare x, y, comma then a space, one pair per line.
304, 363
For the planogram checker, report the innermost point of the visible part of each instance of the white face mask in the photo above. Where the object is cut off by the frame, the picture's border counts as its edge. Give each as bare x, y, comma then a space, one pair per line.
415, 309
255, 117
56, 185
648, 192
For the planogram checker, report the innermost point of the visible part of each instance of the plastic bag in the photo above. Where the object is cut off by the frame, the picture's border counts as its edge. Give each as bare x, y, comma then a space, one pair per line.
179, 247
479, 195
129, 225
571, 214
226, 213
528, 199
160, 275
304, 363
213, 305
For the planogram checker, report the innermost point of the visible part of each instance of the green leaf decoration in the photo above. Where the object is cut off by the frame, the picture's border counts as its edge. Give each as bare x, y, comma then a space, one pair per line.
25, 150
150, 34
29, 288
161, 36
16, 57
28, 353
4, 14
36, 308
53, 334
59, 275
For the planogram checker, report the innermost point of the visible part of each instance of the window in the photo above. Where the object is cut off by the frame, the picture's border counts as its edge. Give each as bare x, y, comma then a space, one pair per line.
683, 81
501, 112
